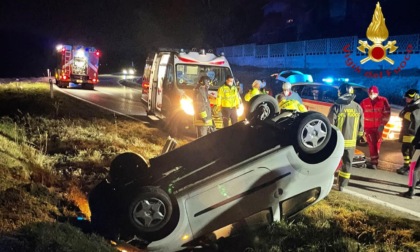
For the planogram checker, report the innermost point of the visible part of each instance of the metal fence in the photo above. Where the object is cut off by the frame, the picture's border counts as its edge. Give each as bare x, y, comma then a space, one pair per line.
322, 53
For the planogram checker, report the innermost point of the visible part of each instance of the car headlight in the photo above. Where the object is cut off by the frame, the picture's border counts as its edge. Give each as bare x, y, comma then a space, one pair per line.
124, 71
130, 71
392, 127
240, 110
187, 105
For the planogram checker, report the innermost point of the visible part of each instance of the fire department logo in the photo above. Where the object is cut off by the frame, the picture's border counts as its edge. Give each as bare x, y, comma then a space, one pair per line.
377, 33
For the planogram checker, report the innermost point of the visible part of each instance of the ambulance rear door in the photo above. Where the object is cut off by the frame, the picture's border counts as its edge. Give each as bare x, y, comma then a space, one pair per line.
159, 68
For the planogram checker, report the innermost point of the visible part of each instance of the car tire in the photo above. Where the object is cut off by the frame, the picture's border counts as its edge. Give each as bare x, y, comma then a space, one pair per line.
313, 132
262, 107
127, 168
149, 213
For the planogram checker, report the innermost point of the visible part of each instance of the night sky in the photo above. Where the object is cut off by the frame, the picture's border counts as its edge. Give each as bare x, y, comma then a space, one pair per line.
126, 30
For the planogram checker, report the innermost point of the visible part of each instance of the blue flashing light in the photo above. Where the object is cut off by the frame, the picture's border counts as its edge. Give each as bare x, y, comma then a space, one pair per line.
328, 80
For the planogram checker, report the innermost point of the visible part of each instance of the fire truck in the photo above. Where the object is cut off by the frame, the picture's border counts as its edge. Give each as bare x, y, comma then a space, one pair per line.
77, 65
169, 78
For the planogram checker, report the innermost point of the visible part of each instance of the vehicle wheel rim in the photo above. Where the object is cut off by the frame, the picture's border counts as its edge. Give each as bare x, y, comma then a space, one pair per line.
314, 133
149, 213
263, 111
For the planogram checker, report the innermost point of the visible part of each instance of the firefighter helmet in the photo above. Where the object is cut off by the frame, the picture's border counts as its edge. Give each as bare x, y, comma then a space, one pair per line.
345, 89
412, 94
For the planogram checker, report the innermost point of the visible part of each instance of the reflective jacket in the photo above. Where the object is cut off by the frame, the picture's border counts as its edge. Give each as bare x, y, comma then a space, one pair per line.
294, 96
251, 93
347, 115
202, 109
292, 105
228, 97
376, 112
410, 121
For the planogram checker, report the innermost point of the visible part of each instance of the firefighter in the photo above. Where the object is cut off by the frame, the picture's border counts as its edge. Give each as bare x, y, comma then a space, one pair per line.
256, 85
202, 116
347, 116
410, 122
413, 176
376, 112
289, 104
228, 102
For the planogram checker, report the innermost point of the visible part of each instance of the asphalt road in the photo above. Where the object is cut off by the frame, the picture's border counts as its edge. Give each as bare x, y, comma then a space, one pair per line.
383, 186
109, 93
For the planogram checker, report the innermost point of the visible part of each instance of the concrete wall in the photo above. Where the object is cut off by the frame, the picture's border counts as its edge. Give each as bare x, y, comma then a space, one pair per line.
332, 53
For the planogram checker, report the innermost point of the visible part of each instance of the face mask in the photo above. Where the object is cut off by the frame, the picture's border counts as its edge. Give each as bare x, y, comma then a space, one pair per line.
373, 96
286, 92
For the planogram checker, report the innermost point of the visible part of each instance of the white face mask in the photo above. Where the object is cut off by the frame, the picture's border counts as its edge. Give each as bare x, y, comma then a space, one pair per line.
286, 92
373, 96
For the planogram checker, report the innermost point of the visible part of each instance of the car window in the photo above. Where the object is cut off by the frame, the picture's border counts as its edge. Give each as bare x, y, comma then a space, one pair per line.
360, 94
311, 93
297, 89
329, 94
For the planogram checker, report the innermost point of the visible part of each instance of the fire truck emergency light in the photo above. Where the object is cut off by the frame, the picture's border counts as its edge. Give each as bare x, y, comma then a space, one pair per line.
80, 53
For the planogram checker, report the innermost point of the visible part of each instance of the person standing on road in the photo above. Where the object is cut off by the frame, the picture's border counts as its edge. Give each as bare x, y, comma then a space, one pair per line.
289, 94
202, 110
376, 113
410, 123
413, 175
347, 116
256, 85
228, 102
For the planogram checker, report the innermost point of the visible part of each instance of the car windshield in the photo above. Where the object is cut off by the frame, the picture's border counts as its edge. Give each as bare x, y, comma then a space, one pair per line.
187, 76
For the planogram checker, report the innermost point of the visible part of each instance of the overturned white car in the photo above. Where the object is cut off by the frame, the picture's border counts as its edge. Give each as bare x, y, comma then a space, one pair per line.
279, 163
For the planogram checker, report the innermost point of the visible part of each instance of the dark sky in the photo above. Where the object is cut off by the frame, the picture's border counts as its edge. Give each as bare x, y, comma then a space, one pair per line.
125, 30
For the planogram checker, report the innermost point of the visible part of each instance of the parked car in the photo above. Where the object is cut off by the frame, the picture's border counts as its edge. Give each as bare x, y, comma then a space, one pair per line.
274, 163
321, 96
275, 83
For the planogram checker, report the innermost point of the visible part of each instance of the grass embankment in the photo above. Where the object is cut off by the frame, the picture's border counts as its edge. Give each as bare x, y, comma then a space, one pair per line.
53, 151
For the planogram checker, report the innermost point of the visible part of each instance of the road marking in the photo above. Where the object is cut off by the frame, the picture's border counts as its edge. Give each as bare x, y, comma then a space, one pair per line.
386, 204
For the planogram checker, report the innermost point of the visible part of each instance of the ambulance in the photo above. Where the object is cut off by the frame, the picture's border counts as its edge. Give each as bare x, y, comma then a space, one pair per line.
168, 83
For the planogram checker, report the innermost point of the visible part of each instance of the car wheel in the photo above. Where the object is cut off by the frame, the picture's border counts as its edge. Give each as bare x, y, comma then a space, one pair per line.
128, 167
262, 107
150, 212
313, 132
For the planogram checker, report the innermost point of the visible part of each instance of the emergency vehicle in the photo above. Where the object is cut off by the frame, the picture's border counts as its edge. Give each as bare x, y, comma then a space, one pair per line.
78, 65
169, 79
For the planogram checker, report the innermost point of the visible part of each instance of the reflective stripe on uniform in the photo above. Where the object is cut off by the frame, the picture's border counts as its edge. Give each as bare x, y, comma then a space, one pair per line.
407, 139
407, 116
349, 143
344, 174
407, 159
203, 114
